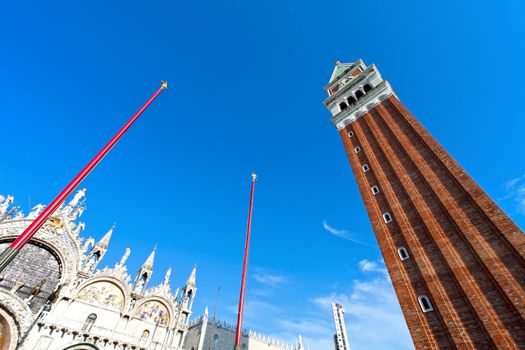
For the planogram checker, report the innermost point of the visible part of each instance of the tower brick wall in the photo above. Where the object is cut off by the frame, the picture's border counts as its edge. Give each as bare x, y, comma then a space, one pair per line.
464, 253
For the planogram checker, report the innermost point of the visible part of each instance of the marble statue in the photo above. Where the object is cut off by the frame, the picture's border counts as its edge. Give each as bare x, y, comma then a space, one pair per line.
5, 203
124, 258
77, 197
37, 210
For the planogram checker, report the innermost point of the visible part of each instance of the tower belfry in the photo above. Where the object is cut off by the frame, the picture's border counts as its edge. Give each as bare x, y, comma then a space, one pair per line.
456, 260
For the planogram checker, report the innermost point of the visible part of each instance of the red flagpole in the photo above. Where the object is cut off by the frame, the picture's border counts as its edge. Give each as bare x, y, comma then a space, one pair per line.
10, 252
238, 332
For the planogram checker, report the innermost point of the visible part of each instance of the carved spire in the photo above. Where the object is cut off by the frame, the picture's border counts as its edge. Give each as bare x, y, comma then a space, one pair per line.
144, 273
300, 345
188, 292
167, 277
98, 251
124, 258
191, 282
104, 241
148, 264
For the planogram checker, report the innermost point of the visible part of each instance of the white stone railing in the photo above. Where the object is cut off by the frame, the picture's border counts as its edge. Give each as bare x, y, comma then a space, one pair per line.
101, 335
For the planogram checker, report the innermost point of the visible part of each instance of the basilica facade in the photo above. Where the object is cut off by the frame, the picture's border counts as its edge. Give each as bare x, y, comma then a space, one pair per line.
56, 295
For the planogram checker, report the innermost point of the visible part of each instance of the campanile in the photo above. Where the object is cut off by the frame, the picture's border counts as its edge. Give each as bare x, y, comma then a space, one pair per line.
456, 260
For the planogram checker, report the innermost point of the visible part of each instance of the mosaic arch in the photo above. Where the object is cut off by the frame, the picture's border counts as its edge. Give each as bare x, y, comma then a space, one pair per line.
153, 311
34, 265
103, 293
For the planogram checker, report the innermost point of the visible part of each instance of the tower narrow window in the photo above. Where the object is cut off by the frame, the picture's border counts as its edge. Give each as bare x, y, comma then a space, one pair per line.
375, 190
90, 321
366, 168
351, 99
350, 133
425, 304
343, 106
359, 94
357, 149
387, 218
403, 253
367, 88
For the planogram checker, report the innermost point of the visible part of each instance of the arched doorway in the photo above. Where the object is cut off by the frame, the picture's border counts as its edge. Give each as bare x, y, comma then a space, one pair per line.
8, 331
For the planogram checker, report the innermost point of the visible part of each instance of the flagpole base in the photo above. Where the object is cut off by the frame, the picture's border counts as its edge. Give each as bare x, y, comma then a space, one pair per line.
7, 256
237, 347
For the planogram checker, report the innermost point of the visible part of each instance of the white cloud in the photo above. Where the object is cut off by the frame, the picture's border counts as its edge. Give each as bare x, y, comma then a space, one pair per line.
373, 266
342, 233
269, 279
371, 305
515, 189
373, 316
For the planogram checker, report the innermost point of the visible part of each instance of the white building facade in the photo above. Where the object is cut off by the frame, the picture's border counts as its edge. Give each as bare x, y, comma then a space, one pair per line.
54, 296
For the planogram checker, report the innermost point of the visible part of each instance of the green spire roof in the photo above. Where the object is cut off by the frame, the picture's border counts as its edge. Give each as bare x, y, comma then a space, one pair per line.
339, 70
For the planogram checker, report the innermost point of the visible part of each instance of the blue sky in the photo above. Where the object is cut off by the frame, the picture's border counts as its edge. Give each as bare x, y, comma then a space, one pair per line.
246, 95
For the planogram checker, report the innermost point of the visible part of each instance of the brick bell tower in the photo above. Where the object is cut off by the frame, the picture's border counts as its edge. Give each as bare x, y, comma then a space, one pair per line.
456, 260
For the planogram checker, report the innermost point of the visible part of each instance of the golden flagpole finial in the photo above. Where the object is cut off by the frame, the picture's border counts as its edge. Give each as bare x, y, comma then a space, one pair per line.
164, 85
254, 177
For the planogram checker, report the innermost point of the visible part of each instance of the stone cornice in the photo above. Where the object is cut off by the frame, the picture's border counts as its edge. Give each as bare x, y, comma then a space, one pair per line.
98, 335
380, 93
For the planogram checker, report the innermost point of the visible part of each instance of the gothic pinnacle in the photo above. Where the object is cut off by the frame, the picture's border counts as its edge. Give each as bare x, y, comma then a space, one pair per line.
148, 264
104, 241
192, 280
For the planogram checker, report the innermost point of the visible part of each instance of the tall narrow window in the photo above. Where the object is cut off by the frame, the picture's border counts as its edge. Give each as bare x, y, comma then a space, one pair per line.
359, 94
343, 106
387, 218
375, 190
403, 253
357, 149
90, 321
351, 99
367, 88
350, 133
425, 304
366, 168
